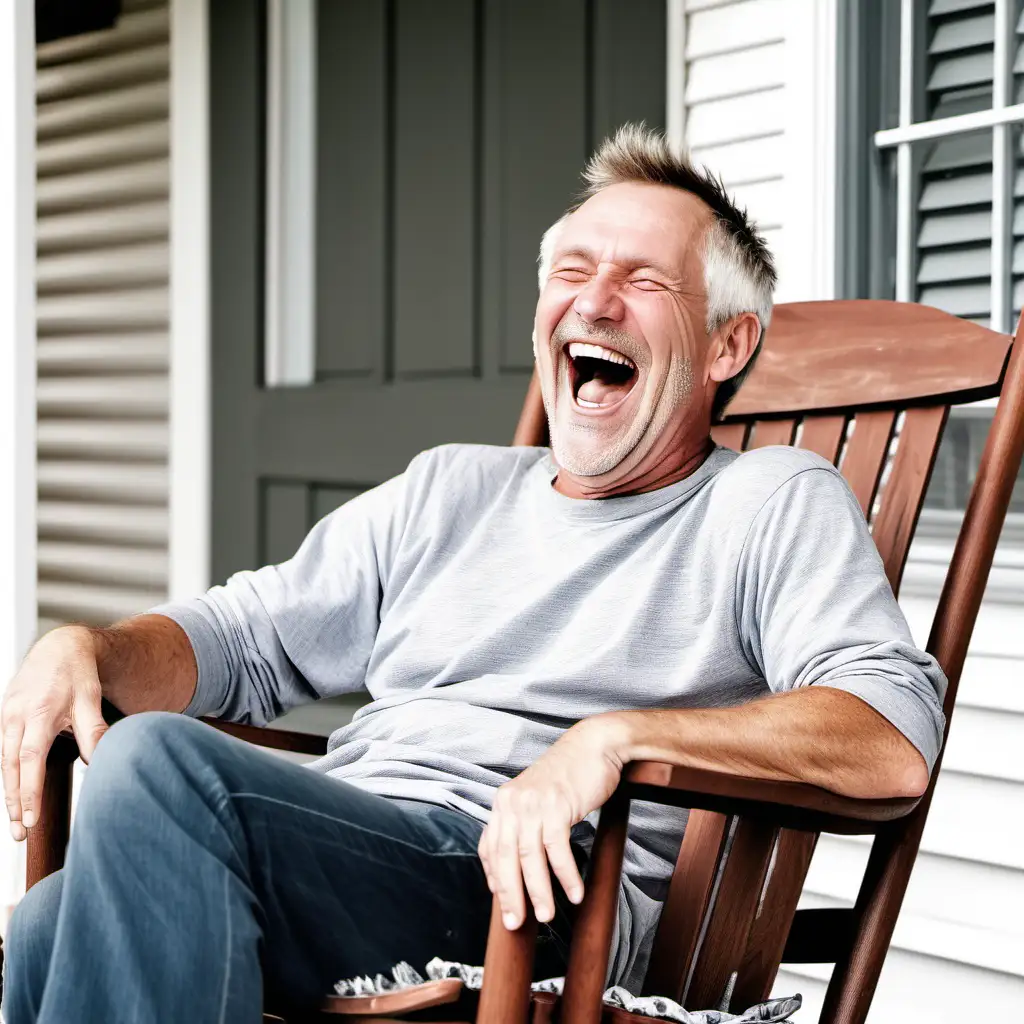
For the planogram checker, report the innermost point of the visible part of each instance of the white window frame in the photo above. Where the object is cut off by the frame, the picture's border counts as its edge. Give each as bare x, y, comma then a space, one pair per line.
1000, 118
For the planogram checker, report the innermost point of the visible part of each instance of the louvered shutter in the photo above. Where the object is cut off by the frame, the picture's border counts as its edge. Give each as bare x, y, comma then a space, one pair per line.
102, 287
954, 237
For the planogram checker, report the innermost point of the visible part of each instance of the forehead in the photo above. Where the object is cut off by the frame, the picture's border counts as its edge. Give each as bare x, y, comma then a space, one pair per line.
632, 222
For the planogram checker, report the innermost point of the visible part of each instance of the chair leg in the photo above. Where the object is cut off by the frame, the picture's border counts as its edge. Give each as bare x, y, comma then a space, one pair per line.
855, 978
508, 970
592, 933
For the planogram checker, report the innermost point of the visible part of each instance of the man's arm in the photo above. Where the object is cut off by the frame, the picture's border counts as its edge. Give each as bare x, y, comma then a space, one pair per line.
854, 706
142, 664
822, 736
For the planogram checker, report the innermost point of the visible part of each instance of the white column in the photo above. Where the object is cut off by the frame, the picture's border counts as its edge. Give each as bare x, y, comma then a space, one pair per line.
807, 252
190, 301
17, 369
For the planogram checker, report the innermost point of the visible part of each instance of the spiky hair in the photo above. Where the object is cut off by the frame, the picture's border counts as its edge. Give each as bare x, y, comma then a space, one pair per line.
739, 271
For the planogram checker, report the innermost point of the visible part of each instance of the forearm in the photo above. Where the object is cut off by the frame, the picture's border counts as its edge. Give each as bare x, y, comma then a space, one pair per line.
817, 735
145, 663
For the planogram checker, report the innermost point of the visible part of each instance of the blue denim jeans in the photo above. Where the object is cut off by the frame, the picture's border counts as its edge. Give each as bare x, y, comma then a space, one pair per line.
203, 873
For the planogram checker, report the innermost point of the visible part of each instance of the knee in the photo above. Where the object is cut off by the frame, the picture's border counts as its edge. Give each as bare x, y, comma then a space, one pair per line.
143, 755
31, 928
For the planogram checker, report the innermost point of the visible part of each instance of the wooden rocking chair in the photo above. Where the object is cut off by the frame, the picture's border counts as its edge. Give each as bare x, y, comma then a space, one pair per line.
854, 381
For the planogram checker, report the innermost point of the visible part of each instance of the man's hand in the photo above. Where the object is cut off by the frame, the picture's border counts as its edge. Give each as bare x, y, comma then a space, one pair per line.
57, 687
532, 815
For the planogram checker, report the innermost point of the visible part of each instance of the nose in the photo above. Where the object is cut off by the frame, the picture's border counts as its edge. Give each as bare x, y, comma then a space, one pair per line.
599, 299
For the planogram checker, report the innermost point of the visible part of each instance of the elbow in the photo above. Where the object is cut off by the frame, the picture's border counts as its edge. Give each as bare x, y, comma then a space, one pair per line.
908, 777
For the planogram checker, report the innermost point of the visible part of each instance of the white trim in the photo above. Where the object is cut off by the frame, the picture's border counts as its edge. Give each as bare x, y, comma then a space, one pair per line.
190, 399
925, 130
907, 65
675, 76
290, 272
17, 336
18, 609
905, 219
1002, 167
807, 256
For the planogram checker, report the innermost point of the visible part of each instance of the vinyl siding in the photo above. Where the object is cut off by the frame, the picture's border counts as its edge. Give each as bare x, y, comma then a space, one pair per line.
102, 285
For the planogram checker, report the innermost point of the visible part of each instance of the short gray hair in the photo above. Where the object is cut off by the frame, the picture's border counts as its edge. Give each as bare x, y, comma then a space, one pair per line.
739, 271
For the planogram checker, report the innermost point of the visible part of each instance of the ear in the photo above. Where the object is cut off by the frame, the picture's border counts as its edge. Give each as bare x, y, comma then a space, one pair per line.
733, 345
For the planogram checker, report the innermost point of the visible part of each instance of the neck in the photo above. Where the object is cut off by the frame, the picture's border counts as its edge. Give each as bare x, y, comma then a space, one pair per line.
685, 460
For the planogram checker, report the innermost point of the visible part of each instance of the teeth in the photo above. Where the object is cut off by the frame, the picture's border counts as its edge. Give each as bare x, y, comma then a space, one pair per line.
580, 348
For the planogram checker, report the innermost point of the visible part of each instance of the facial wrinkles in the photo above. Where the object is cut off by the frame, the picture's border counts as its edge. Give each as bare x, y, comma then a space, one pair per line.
665, 393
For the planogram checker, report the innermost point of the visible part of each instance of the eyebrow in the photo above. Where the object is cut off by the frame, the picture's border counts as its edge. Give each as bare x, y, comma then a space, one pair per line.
637, 264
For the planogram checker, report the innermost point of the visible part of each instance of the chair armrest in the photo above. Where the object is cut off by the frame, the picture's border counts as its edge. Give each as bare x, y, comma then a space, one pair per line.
793, 805
274, 739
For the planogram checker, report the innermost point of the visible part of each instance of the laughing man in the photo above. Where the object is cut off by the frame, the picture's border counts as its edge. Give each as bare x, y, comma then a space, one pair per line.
526, 620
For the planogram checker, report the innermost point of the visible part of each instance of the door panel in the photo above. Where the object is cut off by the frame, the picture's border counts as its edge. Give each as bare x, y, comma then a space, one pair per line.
451, 134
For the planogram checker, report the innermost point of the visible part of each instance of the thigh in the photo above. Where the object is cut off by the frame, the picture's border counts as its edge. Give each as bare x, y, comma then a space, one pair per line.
345, 882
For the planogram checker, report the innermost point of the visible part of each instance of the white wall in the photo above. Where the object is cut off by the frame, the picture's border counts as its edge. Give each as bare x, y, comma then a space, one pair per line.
753, 93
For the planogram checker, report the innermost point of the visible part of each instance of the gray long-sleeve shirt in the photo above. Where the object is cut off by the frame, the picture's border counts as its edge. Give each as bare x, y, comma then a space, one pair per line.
485, 613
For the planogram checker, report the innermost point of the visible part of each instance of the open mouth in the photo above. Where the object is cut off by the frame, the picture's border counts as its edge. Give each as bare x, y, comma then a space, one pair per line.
600, 377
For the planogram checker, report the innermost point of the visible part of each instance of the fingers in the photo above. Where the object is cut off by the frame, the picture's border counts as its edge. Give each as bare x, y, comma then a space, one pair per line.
516, 850
11, 767
508, 875
35, 745
563, 863
87, 720
534, 866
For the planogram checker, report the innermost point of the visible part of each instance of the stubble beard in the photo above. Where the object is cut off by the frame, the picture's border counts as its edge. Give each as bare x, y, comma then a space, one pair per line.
584, 460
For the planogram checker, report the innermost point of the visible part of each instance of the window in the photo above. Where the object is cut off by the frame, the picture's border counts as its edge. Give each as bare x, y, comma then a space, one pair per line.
946, 223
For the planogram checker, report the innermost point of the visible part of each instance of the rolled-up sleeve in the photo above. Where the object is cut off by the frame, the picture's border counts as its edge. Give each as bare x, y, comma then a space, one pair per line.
273, 638
815, 608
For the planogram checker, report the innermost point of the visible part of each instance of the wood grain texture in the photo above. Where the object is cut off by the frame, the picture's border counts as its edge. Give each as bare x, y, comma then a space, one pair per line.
595, 923
864, 458
768, 432
687, 903
735, 906
730, 435
772, 926
824, 435
508, 969
901, 501
859, 353
788, 804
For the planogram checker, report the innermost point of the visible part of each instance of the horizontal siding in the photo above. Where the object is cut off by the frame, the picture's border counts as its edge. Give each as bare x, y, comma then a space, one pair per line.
735, 103
102, 309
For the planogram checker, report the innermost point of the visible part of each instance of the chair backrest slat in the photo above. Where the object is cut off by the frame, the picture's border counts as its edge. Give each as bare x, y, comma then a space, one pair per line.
767, 432
687, 904
724, 942
893, 526
730, 435
770, 929
865, 454
824, 435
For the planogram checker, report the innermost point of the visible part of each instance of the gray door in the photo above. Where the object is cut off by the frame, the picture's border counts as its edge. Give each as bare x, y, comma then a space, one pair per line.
450, 134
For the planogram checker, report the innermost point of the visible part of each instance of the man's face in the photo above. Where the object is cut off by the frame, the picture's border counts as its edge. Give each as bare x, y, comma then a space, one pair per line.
620, 333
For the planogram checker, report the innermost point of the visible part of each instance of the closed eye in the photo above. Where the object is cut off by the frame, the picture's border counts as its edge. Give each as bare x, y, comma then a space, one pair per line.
574, 274
647, 284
